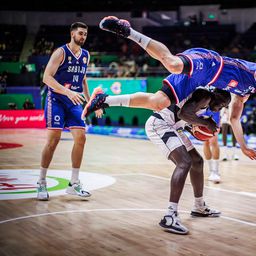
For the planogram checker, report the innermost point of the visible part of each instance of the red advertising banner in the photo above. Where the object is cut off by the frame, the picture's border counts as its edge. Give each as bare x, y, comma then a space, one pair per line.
22, 119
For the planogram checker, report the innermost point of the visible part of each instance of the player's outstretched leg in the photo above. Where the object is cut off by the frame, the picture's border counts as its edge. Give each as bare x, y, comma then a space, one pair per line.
115, 25
96, 102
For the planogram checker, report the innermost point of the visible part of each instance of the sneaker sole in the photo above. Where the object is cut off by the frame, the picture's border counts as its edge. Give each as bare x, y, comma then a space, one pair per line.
104, 19
43, 199
71, 192
174, 231
96, 91
197, 214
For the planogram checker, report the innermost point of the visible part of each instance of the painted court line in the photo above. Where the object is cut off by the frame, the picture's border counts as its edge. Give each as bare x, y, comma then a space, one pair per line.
251, 194
112, 210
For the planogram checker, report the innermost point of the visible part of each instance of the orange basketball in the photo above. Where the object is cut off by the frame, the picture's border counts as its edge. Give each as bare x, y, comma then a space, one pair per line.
202, 132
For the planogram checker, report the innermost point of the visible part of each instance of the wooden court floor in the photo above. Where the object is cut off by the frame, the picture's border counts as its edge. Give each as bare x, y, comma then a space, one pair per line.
122, 218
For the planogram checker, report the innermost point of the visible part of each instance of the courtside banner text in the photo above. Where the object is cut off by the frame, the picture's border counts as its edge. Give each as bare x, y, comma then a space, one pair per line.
22, 119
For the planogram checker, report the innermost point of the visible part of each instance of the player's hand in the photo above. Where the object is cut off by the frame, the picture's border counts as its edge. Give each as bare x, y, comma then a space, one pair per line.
75, 97
211, 125
251, 153
99, 113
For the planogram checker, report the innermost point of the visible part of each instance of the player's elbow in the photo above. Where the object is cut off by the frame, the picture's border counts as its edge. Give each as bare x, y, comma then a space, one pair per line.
172, 63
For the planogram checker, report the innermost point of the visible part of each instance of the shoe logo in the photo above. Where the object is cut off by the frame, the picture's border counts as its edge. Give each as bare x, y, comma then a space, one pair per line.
140, 40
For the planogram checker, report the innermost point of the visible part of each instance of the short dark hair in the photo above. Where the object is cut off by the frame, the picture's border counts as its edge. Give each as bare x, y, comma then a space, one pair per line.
222, 95
77, 25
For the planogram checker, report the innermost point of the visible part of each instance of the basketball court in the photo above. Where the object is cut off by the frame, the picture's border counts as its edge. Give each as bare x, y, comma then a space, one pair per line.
129, 181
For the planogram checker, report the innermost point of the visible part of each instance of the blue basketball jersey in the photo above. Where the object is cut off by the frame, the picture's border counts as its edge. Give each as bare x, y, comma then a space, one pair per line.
215, 115
60, 111
208, 68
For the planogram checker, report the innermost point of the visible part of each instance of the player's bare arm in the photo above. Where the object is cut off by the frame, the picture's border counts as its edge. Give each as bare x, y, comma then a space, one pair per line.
159, 51
236, 110
200, 99
48, 78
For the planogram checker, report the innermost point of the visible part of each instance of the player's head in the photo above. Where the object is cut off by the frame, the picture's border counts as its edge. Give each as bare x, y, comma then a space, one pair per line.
78, 32
219, 99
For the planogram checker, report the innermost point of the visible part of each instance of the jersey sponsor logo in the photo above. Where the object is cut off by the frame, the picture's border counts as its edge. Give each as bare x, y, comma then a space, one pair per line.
69, 59
84, 60
233, 83
21, 183
57, 118
74, 87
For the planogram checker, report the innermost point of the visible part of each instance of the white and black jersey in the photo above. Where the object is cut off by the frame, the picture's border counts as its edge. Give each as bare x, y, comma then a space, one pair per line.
166, 130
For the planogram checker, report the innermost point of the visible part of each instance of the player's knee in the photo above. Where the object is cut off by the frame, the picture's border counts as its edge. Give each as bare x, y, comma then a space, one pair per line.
159, 102
185, 163
80, 140
52, 144
198, 163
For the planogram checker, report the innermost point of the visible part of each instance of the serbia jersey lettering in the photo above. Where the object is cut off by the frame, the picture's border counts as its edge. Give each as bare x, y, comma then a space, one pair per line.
71, 72
60, 111
208, 68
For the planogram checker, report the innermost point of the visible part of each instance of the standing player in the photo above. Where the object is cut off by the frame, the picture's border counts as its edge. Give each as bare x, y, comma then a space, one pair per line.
65, 76
165, 129
211, 150
225, 129
193, 68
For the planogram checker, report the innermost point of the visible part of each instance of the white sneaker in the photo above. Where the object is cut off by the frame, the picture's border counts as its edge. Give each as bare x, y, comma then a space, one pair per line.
214, 177
172, 224
42, 193
205, 211
225, 158
236, 157
77, 189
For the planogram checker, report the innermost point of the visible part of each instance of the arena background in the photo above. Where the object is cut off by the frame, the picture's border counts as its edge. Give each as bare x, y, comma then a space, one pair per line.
128, 176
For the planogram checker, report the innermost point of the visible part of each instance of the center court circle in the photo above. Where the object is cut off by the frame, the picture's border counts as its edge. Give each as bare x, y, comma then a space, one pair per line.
21, 183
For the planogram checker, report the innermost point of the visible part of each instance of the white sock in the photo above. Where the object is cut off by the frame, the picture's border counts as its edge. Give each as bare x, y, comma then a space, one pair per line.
42, 176
209, 164
215, 165
120, 100
139, 38
74, 177
199, 202
172, 207
225, 150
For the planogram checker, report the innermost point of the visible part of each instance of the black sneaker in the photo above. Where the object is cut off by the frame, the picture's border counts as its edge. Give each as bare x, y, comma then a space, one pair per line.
96, 102
171, 223
115, 25
205, 211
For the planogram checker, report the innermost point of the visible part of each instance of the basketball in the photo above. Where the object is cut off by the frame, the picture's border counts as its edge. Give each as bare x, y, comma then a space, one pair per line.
201, 132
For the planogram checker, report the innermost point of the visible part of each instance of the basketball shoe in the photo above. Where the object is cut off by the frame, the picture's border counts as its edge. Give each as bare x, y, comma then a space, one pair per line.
172, 224
204, 211
96, 102
214, 177
115, 25
77, 189
42, 193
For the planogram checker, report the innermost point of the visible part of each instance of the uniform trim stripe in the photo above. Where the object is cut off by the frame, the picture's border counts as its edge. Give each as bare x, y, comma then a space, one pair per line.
173, 90
64, 55
218, 72
74, 54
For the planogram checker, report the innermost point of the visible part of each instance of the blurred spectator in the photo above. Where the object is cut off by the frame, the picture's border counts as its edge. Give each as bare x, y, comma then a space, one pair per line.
28, 104
3, 78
